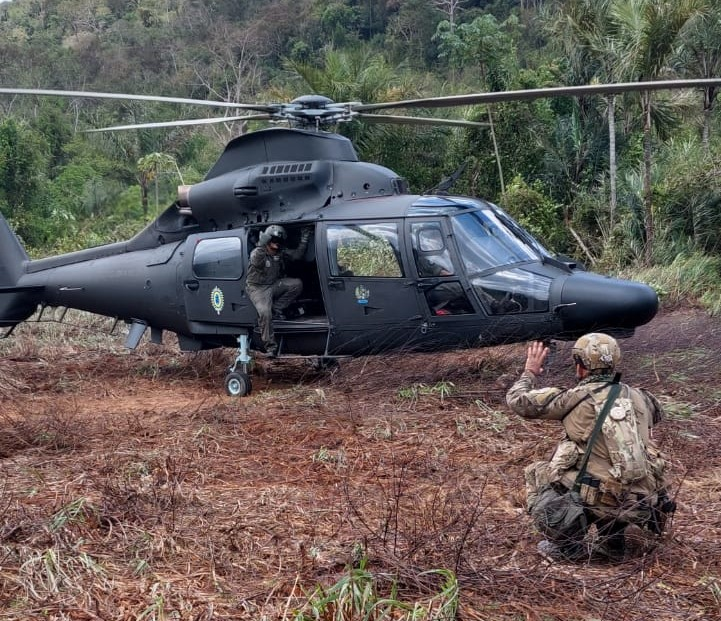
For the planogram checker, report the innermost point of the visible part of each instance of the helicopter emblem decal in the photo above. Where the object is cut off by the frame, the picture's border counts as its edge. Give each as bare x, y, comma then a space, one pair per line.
217, 299
362, 293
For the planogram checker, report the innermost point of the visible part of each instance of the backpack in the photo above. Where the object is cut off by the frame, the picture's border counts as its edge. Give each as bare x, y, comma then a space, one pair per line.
626, 448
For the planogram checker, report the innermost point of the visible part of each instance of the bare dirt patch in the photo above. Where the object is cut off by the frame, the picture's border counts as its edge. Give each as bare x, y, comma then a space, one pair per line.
131, 487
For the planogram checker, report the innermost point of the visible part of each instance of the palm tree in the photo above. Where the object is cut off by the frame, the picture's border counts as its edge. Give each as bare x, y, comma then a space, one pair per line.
355, 74
580, 28
700, 56
484, 43
149, 169
646, 34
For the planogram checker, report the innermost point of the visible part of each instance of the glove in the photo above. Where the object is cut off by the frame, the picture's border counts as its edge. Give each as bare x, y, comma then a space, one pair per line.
305, 235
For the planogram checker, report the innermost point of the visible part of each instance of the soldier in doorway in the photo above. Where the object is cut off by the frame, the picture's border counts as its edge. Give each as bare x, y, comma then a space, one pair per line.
268, 287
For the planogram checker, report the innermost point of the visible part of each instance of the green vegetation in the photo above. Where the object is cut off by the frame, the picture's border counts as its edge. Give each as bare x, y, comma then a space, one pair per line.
628, 183
74, 512
359, 595
441, 389
688, 278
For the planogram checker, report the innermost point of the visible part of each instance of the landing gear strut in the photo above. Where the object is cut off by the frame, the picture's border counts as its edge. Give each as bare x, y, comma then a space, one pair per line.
237, 381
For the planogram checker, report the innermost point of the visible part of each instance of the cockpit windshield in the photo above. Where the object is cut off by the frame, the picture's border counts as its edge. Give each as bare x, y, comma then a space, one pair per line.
485, 242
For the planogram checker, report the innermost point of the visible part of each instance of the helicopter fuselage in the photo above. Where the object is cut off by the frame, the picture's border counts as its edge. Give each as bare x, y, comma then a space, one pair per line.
369, 283
385, 270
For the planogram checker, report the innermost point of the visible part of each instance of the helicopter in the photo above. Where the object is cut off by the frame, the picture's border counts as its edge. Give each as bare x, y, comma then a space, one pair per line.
366, 286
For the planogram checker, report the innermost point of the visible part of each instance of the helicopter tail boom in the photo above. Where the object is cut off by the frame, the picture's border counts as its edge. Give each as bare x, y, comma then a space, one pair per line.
16, 303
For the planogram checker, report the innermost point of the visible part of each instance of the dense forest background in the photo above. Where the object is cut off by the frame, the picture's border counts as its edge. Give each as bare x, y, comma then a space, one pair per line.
628, 182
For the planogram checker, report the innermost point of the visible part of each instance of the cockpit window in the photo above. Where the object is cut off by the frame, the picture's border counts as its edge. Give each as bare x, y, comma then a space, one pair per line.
485, 242
364, 250
519, 231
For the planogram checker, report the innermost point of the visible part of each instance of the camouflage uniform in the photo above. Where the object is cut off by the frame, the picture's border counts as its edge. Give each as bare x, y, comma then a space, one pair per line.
609, 504
269, 289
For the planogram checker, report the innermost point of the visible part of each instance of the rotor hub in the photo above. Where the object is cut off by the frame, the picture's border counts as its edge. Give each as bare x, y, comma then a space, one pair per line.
314, 111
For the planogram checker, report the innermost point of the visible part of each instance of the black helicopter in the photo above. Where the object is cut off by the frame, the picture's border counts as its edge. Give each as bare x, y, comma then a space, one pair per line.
366, 284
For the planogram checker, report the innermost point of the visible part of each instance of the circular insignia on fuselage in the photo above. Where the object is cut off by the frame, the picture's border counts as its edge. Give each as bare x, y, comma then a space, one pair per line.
217, 299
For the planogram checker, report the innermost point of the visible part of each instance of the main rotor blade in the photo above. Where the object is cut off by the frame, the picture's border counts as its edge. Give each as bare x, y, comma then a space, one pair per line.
539, 93
220, 119
417, 120
125, 96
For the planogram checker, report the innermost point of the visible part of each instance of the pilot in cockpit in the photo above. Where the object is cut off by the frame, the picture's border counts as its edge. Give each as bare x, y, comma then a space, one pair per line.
445, 298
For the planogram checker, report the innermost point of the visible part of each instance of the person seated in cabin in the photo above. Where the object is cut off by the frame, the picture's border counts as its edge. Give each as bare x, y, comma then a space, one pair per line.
428, 268
446, 298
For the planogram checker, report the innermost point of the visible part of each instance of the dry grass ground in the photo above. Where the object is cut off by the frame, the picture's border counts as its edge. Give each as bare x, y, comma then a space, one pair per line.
132, 488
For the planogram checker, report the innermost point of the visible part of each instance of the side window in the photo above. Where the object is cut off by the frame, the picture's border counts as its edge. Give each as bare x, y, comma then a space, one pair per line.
364, 250
433, 260
218, 258
430, 238
429, 252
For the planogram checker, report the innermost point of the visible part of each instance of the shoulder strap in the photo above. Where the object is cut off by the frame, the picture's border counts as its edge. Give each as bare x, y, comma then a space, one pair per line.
613, 393
588, 396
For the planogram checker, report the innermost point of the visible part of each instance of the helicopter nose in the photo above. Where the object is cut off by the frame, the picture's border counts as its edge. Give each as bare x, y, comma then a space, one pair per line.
593, 302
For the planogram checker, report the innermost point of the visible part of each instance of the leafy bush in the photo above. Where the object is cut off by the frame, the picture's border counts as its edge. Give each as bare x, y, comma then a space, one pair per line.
688, 200
535, 211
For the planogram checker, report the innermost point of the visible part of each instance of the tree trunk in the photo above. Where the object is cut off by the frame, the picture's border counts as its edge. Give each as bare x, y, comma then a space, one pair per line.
708, 96
612, 166
495, 151
647, 189
144, 194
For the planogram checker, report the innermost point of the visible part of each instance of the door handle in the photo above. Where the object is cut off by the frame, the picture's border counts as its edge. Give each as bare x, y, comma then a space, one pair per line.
336, 284
191, 285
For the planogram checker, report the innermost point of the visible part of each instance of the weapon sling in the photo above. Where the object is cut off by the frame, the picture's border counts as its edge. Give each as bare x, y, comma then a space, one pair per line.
615, 389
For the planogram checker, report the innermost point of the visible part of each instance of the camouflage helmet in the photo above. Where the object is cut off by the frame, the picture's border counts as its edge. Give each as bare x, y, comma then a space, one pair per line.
274, 231
596, 352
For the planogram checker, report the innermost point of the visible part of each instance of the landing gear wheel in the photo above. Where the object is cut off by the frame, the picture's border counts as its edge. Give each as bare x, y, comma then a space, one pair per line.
238, 384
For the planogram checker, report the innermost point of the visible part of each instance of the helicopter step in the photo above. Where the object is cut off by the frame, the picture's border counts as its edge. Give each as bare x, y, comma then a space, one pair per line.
302, 336
304, 321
